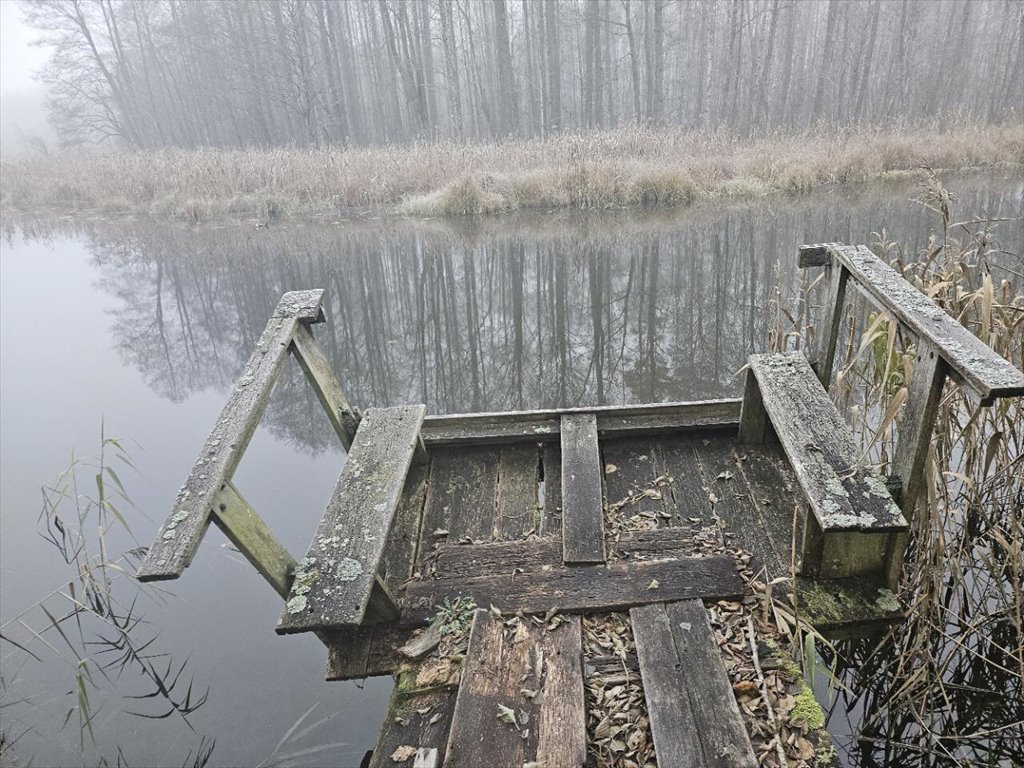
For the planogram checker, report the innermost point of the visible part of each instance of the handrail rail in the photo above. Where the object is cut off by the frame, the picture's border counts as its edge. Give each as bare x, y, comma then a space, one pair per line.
975, 365
208, 493
944, 348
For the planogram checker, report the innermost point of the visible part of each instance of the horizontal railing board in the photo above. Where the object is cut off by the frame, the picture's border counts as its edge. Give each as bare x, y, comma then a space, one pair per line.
612, 421
581, 588
971, 362
178, 538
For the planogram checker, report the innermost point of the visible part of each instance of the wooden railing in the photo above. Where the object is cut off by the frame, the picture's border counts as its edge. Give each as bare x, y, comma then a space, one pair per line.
944, 348
208, 493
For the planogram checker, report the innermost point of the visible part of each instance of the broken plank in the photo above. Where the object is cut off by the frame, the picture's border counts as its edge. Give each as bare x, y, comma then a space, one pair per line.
582, 496
581, 588
178, 538
461, 495
334, 582
496, 721
722, 732
399, 557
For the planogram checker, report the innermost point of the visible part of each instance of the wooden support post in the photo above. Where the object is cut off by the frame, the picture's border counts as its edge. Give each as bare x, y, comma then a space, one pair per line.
754, 424
828, 332
915, 432
247, 531
317, 367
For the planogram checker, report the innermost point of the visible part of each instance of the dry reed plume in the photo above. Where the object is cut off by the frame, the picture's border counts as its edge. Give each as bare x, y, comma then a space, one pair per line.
604, 170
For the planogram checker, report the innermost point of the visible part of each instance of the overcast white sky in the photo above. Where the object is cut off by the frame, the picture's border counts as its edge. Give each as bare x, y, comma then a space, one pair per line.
18, 59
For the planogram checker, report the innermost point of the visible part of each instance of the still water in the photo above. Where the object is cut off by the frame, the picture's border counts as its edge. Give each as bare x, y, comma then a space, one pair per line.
142, 327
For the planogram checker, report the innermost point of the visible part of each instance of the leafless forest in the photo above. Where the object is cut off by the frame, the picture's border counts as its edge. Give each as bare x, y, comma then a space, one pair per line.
189, 73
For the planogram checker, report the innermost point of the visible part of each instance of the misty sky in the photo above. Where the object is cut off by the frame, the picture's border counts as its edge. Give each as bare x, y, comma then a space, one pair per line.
18, 59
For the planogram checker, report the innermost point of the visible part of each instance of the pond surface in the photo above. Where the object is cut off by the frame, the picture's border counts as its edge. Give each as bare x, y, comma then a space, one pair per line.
142, 328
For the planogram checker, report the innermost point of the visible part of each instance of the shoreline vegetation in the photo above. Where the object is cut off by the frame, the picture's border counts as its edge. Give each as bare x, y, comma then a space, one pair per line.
609, 170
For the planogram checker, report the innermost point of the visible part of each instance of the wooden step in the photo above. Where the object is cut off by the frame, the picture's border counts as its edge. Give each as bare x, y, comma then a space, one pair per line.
579, 588
337, 584
694, 717
582, 496
526, 674
849, 504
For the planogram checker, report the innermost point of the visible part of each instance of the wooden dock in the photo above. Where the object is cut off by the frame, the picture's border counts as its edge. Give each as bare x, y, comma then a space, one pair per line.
465, 554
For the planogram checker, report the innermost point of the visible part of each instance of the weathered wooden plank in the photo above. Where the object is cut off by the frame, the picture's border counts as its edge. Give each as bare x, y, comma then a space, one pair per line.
687, 502
821, 449
971, 362
582, 498
544, 426
500, 664
418, 718
314, 363
551, 514
177, 540
723, 735
247, 531
334, 582
581, 588
515, 503
732, 506
562, 737
676, 741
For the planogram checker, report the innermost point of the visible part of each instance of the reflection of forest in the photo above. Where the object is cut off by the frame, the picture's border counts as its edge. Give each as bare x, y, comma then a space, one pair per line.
521, 314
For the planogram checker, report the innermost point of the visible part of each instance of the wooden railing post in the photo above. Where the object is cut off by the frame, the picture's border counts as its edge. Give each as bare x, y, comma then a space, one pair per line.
828, 332
915, 431
314, 363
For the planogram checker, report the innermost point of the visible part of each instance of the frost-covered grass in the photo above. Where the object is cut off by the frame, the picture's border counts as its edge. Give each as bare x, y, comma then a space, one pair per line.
603, 170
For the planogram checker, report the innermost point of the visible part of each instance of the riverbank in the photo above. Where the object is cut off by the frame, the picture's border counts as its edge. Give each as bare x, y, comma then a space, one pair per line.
628, 168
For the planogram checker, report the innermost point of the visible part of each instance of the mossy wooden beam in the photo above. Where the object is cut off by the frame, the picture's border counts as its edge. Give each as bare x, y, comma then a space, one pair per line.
247, 531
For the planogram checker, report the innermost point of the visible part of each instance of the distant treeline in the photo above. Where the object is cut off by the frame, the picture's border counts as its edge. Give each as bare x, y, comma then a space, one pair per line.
152, 73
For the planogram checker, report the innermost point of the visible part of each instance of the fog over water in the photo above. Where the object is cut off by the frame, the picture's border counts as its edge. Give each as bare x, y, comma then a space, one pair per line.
146, 326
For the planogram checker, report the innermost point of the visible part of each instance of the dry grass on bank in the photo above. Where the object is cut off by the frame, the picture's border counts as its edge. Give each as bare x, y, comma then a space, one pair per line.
615, 169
